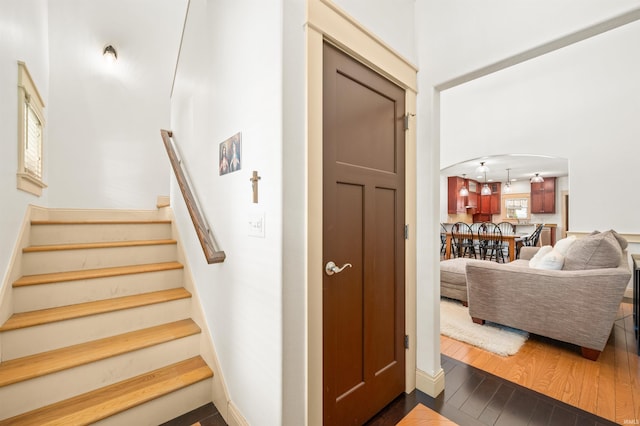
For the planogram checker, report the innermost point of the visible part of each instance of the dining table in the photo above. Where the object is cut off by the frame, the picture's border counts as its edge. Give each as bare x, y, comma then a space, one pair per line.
511, 239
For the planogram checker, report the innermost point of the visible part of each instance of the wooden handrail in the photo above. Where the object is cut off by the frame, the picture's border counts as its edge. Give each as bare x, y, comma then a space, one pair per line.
211, 252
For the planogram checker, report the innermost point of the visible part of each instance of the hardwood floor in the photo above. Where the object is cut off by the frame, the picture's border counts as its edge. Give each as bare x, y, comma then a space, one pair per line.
473, 397
546, 383
608, 388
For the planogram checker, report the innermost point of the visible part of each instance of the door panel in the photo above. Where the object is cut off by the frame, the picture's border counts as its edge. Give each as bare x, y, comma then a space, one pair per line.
363, 221
366, 126
348, 311
384, 298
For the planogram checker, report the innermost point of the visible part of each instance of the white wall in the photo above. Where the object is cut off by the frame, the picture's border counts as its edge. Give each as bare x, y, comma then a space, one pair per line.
390, 20
578, 103
23, 37
229, 80
104, 134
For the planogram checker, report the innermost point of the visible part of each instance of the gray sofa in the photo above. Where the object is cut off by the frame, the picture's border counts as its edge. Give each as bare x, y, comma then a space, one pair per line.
577, 304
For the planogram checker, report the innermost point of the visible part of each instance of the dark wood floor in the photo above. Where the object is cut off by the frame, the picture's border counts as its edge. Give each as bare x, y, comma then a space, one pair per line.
472, 397
207, 415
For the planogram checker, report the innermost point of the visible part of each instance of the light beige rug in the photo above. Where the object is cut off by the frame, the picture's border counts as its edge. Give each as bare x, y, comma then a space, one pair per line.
456, 323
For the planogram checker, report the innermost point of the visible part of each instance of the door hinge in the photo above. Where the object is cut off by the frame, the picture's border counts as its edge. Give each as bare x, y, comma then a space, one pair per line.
406, 232
406, 120
406, 341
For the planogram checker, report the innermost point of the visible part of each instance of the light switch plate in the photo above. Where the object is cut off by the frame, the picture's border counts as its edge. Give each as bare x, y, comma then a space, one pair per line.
256, 224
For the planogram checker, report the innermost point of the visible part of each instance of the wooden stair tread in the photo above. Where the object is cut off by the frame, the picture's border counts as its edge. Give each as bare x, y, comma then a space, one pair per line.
43, 316
95, 273
99, 222
107, 244
104, 402
29, 367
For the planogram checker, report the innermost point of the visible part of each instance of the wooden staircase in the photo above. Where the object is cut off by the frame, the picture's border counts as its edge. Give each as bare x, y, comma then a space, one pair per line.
101, 330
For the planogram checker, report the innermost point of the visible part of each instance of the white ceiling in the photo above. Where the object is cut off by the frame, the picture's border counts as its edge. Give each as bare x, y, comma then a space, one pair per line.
145, 33
522, 167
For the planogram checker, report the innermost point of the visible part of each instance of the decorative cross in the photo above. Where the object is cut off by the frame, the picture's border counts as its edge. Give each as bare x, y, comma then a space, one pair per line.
254, 185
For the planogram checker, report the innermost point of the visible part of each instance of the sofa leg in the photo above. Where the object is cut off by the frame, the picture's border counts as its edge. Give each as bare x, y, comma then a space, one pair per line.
477, 320
590, 354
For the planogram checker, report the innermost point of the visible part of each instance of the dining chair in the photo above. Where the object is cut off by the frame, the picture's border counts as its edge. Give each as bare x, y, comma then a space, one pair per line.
475, 227
507, 228
462, 240
533, 239
491, 242
530, 240
443, 239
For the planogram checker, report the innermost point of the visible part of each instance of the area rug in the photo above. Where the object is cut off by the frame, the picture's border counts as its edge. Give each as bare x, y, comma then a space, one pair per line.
456, 323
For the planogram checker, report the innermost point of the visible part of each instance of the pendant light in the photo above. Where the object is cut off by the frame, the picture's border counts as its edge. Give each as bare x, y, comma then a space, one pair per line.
537, 178
464, 192
482, 169
507, 184
485, 188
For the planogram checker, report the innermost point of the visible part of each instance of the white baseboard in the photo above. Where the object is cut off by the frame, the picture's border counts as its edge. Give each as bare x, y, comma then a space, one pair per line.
235, 417
431, 385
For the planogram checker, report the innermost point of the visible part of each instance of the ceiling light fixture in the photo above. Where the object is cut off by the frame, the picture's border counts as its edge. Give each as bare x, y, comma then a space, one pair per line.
482, 169
507, 184
109, 53
537, 178
485, 188
464, 192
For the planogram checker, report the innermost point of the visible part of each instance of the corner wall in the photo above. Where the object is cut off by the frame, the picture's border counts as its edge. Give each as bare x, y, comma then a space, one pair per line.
23, 37
229, 80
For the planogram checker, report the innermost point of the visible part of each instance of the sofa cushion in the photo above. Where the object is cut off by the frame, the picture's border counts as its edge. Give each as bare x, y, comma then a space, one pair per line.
547, 258
621, 240
553, 260
454, 271
563, 245
596, 251
542, 252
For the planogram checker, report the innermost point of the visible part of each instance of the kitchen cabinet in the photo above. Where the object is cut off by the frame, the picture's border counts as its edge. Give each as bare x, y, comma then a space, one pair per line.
543, 196
490, 204
458, 204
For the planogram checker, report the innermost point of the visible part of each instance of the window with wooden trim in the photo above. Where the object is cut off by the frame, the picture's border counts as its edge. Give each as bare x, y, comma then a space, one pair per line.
30, 133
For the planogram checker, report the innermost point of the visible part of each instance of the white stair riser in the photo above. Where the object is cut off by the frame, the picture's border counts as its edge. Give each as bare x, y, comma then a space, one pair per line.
66, 234
163, 409
42, 296
18, 397
75, 260
31, 340
82, 215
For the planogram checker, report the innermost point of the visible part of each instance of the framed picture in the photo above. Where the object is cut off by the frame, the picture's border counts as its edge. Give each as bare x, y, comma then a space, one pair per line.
230, 154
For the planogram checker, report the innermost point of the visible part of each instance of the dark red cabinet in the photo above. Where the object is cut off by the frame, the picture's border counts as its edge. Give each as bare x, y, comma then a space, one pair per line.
543, 196
458, 204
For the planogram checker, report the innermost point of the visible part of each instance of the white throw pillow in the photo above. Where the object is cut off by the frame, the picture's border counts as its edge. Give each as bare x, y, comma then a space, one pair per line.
552, 260
563, 245
542, 252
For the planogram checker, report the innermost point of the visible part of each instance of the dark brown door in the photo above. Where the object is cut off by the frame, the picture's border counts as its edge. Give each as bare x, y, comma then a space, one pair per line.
363, 221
